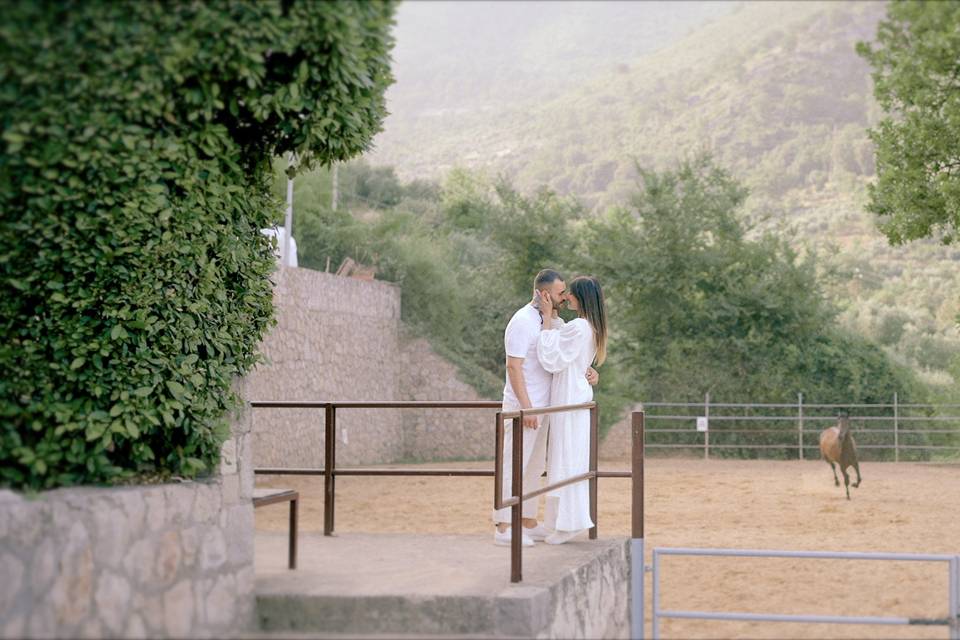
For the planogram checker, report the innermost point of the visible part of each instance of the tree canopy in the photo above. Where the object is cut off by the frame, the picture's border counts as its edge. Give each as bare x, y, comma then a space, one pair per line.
916, 74
134, 180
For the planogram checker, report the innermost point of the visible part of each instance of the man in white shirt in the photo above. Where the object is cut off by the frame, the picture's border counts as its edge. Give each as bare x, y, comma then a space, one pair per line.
528, 385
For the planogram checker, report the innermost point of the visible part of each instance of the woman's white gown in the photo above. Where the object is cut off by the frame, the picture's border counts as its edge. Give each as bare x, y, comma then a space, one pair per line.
567, 352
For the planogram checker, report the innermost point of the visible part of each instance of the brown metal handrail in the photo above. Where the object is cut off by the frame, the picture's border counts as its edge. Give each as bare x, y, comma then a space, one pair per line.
515, 501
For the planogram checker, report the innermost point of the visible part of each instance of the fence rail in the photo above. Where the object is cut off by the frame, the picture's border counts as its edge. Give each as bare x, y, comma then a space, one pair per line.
952, 621
330, 471
791, 430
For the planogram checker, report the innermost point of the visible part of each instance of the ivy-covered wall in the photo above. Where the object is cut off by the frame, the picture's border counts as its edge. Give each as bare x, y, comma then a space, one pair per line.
134, 178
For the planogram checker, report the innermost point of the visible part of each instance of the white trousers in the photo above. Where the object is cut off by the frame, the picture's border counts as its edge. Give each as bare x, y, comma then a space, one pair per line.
534, 464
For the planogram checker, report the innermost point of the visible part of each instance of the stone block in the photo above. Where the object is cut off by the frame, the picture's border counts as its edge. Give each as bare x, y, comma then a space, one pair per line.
113, 600
92, 628
178, 610
11, 583
43, 565
133, 505
179, 500
167, 555
190, 541
230, 486
206, 504
221, 602
13, 626
111, 533
138, 562
239, 534
213, 552
71, 595
156, 504
150, 607
228, 457
136, 630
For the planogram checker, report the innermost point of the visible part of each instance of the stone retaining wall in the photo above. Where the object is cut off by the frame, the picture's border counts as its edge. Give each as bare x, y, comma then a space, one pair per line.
338, 338
173, 560
440, 434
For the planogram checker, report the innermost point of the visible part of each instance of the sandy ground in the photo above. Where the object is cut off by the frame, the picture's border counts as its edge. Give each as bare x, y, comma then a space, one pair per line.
737, 504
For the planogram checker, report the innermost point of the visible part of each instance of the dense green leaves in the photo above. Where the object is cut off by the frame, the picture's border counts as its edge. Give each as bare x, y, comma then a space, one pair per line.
916, 73
698, 301
134, 180
700, 306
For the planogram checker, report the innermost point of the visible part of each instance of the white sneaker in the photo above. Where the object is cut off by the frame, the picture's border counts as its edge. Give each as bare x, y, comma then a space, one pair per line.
559, 537
538, 532
503, 539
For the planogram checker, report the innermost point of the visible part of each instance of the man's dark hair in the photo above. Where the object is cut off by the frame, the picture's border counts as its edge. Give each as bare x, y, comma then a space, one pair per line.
545, 277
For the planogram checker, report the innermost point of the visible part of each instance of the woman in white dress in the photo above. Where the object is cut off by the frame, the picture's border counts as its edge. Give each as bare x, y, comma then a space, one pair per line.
566, 351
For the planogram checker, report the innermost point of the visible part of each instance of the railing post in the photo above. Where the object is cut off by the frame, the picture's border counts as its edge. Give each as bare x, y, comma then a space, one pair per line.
706, 434
594, 456
800, 422
655, 626
516, 518
896, 428
329, 447
955, 598
636, 517
498, 462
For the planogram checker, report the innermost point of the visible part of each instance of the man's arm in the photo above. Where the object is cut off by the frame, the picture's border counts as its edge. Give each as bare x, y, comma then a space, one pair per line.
519, 384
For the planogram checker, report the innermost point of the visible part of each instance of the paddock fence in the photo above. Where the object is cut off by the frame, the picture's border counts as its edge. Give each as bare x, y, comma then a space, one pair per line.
952, 596
790, 431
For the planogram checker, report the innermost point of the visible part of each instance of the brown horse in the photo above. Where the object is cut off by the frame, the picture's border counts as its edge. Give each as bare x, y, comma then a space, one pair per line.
837, 446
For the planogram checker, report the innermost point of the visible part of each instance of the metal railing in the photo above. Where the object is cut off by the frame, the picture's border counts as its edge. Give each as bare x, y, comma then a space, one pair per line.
518, 497
515, 501
952, 621
789, 430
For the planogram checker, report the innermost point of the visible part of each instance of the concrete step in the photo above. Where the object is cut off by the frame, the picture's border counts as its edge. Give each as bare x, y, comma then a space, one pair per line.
364, 585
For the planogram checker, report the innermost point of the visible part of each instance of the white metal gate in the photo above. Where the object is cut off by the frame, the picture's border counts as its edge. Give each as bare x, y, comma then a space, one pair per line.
952, 621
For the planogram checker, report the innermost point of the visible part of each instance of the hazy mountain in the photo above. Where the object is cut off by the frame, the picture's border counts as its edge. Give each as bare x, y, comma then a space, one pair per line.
570, 95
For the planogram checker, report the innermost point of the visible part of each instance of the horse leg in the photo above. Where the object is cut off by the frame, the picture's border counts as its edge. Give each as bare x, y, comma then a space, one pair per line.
856, 466
836, 480
846, 480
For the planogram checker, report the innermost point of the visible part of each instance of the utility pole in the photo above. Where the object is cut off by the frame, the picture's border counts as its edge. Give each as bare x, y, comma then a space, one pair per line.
288, 218
336, 181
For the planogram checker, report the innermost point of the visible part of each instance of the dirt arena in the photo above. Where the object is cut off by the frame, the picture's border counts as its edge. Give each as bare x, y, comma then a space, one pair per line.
739, 504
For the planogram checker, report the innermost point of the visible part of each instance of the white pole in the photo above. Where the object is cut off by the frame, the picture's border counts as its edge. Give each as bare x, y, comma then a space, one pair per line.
636, 588
288, 219
896, 428
336, 188
800, 421
706, 434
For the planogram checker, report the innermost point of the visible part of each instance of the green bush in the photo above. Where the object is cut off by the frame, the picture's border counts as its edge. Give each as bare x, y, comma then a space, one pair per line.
134, 179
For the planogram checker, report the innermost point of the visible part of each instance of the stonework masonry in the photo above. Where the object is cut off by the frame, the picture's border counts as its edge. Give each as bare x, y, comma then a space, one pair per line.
172, 560
341, 338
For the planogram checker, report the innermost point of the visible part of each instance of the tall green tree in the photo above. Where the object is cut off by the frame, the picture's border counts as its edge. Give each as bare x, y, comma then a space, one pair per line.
700, 305
137, 140
916, 74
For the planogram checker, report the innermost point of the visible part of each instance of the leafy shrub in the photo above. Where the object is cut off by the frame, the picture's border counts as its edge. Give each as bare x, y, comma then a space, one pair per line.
134, 179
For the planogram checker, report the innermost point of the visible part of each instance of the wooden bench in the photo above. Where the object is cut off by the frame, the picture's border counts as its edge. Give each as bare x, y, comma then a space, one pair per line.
263, 497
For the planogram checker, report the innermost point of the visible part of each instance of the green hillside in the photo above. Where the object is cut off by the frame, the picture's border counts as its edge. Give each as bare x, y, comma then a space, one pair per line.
775, 91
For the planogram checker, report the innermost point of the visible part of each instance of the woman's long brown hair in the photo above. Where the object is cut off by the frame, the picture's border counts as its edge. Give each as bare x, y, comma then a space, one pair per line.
589, 295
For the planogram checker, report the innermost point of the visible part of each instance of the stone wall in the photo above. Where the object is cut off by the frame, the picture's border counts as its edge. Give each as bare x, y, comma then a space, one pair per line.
440, 434
340, 338
173, 560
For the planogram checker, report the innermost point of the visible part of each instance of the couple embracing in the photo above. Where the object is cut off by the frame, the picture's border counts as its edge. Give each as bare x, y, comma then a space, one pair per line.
549, 364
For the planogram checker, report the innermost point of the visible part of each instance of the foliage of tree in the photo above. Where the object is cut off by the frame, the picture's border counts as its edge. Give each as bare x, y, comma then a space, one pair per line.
134, 179
698, 301
701, 307
916, 74
775, 91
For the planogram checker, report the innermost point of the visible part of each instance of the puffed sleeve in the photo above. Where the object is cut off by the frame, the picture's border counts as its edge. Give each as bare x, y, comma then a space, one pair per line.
557, 349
